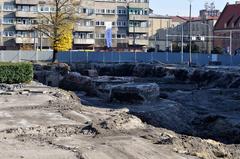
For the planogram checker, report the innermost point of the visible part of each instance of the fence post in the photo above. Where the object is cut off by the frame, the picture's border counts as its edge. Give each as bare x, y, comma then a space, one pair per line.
70, 57
167, 57
112, 57
104, 57
36, 55
87, 57
1, 56
135, 56
231, 58
152, 57
181, 57
119, 57
19, 56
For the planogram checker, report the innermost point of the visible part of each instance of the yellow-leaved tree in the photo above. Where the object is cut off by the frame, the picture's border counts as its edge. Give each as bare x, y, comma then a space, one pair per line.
58, 24
65, 38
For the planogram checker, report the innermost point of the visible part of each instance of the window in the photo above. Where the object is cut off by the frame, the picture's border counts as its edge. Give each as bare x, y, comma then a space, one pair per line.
8, 33
8, 7
8, 20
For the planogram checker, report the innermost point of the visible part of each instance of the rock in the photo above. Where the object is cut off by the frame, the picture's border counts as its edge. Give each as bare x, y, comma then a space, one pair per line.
92, 73
104, 84
135, 93
235, 83
160, 71
52, 78
197, 76
123, 69
143, 70
163, 95
106, 70
210, 76
202, 77
226, 80
37, 67
180, 74
76, 82
62, 68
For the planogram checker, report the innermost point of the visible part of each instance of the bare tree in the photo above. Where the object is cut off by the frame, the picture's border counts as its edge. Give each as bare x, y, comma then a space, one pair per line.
63, 12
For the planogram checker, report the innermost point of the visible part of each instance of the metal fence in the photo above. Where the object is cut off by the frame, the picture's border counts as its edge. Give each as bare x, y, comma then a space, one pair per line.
145, 57
20, 56
117, 57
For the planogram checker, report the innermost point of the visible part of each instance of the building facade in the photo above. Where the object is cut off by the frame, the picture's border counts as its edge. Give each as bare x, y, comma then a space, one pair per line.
227, 30
128, 19
171, 32
159, 27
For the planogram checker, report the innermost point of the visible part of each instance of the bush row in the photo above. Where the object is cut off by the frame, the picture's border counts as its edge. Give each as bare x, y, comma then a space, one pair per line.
11, 73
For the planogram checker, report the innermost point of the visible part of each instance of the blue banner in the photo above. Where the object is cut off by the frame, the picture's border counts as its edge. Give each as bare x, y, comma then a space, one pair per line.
108, 34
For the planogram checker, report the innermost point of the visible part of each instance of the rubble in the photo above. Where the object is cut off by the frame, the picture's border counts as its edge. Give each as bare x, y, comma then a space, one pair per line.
135, 92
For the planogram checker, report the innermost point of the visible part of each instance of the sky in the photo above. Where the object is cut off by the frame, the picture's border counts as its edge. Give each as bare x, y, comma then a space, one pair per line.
181, 7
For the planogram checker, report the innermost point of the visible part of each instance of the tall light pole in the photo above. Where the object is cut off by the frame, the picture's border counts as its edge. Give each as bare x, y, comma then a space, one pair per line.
190, 31
182, 38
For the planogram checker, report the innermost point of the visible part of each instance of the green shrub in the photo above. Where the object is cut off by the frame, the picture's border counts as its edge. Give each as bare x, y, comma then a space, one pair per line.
16, 72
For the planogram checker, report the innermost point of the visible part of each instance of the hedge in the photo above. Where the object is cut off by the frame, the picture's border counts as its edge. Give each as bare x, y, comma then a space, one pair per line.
12, 73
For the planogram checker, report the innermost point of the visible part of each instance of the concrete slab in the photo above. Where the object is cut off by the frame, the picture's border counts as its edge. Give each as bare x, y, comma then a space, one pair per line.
23, 100
31, 118
121, 147
13, 149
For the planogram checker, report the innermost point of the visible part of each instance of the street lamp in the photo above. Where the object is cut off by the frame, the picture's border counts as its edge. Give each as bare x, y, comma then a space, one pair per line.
190, 31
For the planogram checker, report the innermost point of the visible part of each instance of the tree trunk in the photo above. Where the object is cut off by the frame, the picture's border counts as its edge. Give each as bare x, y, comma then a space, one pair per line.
54, 59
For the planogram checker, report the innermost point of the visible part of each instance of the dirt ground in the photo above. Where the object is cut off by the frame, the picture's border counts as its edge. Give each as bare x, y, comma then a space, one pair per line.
39, 122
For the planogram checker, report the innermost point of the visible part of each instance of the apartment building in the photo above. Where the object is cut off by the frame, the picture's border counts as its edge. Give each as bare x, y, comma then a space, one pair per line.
128, 19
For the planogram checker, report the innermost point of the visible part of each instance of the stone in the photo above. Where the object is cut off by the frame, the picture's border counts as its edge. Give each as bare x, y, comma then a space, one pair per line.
197, 76
106, 70
180, 74
160, 71
74, 81
37, 67
52, 78
143, 70
92, 73
62, 68
125, 69
235, 83
210, 76
226, 80
135, 93
104, 84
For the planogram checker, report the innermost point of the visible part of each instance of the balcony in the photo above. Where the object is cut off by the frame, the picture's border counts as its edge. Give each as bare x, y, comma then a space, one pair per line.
139, 17
25, 27
86, 16
84, 28
25, 14
84, 41
138, 5
138, 42
138, 29
23, 40
27, 2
